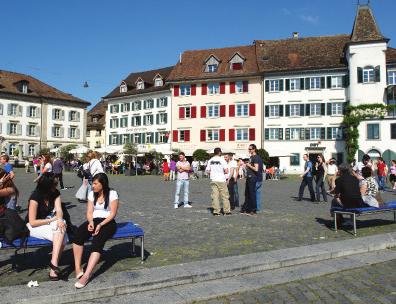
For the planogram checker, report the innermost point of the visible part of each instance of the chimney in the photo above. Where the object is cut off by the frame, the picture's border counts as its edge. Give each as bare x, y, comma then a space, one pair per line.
295, 35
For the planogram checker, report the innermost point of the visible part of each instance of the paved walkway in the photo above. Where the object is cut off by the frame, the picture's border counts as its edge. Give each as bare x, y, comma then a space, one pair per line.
185, 235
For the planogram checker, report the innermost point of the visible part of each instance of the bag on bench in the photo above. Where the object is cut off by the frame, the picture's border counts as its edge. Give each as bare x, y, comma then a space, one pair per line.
12, 227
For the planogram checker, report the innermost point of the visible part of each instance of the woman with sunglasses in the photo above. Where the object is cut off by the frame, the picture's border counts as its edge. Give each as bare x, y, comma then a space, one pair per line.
319, 178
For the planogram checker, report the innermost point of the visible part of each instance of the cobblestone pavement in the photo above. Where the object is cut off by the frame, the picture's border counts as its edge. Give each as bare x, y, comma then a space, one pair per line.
371, 284
184, 235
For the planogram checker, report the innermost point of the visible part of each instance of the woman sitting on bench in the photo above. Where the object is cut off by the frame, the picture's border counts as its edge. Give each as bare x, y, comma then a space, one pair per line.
101, 210
45, 219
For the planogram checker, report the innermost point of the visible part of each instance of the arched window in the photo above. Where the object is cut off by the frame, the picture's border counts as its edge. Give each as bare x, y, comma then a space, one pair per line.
11, 149
31, 150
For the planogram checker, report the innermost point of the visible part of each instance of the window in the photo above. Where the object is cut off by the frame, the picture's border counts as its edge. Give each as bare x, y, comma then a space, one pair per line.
315, 82
32, 111
337, 108
274, 111
273, 133
149, 104
212, 135
295, 159
162, 102
149, 138
335, 133
13, 110
31, 150
24, 88
124, 122
236, 66
73, 115
57, 114
136, 121
136, 105
123, 88
213, 111
187, 112
13, 129
12, 149
295, 110
73, 132
136, 138
140, 85
392, 77
315, 109
57, 131
239, 86
125, 107
314, 133
162, 118
212, 68
114, 123
98, 133
95, 119
336, 82
88, 134
124, 138
114, 109
242, 110
242, 134
393, 131
274, 85
162, 137
294, 133
214, 88
148, 120
158, 82
368, 75
114, 139
295, 84
373, 131
31, 130
185, 90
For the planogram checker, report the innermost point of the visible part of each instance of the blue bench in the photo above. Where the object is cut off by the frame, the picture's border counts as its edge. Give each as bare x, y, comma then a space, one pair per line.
127, 230
354, 212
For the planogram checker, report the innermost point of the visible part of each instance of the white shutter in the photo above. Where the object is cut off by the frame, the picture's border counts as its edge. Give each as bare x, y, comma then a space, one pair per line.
19, 110
1, 109
38, 112
8, 129
62, 132
38, 130
69, 132
9, 109
53, 131
27, 130
53, 113
78, 116
62, 115
28, 111
19, 129
77, 133
26, 150
70, 115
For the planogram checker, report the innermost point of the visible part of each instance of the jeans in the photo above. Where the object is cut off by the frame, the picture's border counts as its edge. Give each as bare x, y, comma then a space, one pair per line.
258, 195
306, 181
233, 192
172, 175
60, 178
179, 183
250, 204
320, 187
381, 182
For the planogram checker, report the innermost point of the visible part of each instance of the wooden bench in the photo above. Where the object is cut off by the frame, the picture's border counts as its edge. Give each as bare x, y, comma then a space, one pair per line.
127, 230
354, 212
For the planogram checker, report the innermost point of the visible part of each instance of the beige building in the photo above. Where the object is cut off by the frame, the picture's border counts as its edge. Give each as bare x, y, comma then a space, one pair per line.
96, 122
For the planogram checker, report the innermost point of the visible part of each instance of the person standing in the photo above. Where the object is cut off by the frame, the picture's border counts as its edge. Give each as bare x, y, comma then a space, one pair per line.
357, 168
331, 174
232, 178
392, 175
4, 160
217, 168
195, 165
165, 170
259, 182
306, 179
58, 171
382, 172
183, 169
172, 167
252, 167
320, 177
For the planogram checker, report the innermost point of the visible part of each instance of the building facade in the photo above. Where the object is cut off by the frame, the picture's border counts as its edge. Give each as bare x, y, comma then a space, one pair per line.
34, 115
139, 112
96, 123
217, 100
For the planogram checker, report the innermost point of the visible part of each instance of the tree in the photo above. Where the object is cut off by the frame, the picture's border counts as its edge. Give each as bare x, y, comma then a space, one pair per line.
65, 152
200, 155
264, 155
130, 150
44, 151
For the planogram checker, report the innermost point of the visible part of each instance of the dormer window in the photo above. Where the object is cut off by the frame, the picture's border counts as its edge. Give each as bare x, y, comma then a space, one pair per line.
24, 88
212, 68
236, 66
236, 62
211, 64
140, 85
158, 82
123, 87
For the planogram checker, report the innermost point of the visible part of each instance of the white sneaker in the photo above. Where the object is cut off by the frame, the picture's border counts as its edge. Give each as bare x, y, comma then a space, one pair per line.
187, 206
176, 206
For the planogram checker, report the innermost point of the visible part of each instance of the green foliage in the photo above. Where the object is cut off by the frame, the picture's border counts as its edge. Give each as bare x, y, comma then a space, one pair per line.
16, 152
65, 152
44, 151
264, 155
130, 149
200, 155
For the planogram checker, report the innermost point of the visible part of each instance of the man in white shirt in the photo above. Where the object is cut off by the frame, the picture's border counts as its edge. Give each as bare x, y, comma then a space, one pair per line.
217, 168
232, 180
357, 169
331, 174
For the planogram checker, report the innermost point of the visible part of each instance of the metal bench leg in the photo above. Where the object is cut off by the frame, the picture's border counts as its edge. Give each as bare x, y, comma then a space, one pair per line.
394, 216
354, 224
133, 246
142, 248
335, 222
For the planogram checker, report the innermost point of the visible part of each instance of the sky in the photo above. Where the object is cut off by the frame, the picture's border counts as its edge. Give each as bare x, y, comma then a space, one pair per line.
65, 43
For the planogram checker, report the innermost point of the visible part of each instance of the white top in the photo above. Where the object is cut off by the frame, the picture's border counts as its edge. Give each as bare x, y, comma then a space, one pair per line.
232, 164
99, 210
216, 166
94, 166
195, 164
331, 169
359, 166
48, 166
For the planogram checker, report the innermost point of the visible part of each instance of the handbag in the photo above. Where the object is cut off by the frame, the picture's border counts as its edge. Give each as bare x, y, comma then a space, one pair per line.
13, 227
81, 193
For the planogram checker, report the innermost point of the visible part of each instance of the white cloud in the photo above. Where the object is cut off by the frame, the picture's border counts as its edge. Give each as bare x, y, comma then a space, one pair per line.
310, 19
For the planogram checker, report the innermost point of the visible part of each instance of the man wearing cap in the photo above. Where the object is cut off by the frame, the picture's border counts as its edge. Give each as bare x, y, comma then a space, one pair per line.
331, 174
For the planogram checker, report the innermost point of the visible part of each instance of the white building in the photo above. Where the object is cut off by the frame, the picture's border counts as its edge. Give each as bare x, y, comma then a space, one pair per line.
139, 111
34, 115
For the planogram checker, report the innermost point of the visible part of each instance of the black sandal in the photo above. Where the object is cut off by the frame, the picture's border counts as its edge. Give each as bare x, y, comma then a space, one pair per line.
56, 270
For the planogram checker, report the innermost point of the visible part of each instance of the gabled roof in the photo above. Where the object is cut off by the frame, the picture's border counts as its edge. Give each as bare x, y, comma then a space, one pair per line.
192, 65
37, 88
99, 110
148, 77
365, 27
390, 55
212, 56
237, 54
301, 53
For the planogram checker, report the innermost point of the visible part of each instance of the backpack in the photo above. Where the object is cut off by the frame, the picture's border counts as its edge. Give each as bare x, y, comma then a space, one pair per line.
12, 227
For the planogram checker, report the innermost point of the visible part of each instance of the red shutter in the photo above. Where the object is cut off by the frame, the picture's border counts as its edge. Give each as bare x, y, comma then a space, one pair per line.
252, 109
186, 135
174, 139
222, 87
231, 134
222, 111
222, 134
245, 86
231, 111
181, 113
176, 90
203, 111
252, 134
193, 89
194, 112
204, 88
232, 87
203, 135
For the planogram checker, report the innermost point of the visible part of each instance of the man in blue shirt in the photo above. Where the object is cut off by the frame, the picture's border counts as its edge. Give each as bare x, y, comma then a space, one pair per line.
6, 165
306, 179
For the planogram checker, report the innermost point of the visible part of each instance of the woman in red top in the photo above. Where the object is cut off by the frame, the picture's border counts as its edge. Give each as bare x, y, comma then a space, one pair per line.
382, 172
165, 169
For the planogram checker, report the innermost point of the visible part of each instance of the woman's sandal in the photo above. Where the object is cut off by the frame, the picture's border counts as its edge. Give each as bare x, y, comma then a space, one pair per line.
56, 270
79, 275
78, 285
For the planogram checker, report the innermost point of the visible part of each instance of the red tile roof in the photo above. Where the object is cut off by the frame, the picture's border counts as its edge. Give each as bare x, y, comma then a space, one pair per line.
365, 27
9, 84
99, 111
